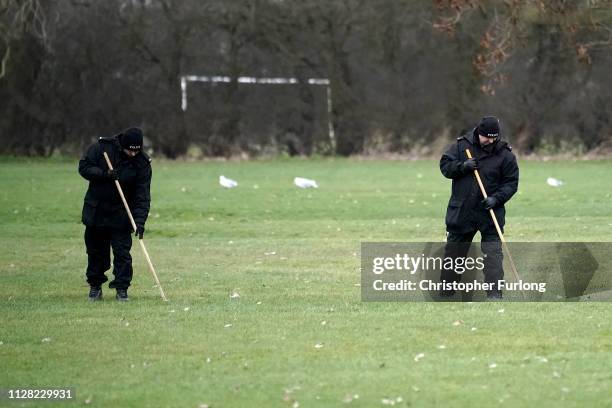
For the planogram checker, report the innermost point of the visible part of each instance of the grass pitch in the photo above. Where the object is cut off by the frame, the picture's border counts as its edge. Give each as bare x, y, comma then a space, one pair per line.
298, 335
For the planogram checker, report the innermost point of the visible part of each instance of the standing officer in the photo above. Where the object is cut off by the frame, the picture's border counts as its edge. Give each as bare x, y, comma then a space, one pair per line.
468, 210
106, 221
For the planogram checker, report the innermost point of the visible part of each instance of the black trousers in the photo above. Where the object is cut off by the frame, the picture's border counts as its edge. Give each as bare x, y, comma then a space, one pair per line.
458, 246
99, 241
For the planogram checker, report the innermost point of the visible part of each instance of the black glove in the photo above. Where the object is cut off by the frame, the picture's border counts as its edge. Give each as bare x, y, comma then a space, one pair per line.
470, 165
139, 230
489, 202
112, 174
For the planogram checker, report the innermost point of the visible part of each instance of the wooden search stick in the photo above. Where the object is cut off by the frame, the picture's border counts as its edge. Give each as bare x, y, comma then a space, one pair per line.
142, 245
499, 231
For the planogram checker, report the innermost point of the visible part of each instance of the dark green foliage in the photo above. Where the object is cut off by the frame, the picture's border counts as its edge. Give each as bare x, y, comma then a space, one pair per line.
82, 69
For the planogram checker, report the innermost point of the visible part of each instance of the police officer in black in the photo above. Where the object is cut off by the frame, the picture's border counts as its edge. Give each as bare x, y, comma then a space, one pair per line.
468, 210
106, 221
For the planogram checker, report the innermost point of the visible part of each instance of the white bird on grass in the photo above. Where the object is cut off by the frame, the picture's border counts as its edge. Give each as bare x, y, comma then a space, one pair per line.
227, 182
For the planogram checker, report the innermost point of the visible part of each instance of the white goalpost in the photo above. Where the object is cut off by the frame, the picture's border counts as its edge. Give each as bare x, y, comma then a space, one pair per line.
185, 79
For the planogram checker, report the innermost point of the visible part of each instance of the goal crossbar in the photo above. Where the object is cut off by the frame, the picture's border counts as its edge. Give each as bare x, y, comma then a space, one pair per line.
185, 79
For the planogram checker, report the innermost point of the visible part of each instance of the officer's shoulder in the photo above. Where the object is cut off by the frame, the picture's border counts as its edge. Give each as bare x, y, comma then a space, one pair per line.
108, 139
507, 153
505, 146
144, 159
462, 137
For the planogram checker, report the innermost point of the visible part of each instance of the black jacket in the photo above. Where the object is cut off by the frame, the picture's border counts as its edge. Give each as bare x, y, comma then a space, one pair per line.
103, 206
499, 173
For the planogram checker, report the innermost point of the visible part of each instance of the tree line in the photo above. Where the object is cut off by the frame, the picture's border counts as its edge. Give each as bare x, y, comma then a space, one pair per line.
404, 75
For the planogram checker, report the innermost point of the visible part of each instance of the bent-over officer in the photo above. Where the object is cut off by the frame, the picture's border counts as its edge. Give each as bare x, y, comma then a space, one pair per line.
107, 225
468, 210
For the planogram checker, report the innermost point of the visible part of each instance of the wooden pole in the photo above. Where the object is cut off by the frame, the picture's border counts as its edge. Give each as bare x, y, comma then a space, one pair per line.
499, 231
140, 240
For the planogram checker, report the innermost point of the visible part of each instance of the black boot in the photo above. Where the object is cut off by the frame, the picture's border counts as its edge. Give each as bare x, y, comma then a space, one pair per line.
122, 295
95, 293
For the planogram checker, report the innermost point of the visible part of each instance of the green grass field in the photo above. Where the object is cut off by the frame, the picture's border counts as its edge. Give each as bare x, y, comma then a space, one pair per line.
293, 256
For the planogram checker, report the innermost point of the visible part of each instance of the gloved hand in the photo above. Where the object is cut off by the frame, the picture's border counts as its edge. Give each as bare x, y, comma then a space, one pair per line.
489, 202
112, 174
470, 165
139, 230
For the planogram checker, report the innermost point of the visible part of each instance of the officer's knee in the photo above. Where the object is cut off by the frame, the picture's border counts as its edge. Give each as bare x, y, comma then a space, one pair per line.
491, 248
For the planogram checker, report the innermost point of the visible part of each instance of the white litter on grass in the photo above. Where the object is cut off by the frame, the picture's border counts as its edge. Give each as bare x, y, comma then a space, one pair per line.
46, 340
305, 183
228, 325
318, 346
457, 322
391, 401
553, 182
227, 182
501, 310
441, 347
493, 365
323, 323
186, 309
234, 295
419, 357
270, 253
473, 329
349, 398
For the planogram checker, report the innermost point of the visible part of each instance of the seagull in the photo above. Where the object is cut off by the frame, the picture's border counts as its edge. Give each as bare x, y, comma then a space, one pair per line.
551, 181
227, 182
305, 183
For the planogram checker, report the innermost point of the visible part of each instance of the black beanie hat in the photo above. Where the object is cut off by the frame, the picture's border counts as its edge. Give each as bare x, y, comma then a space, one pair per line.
131, 139
489, 127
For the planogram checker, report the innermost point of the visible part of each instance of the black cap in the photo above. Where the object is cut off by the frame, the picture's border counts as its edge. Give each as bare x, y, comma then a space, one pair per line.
489, 127
131, 139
